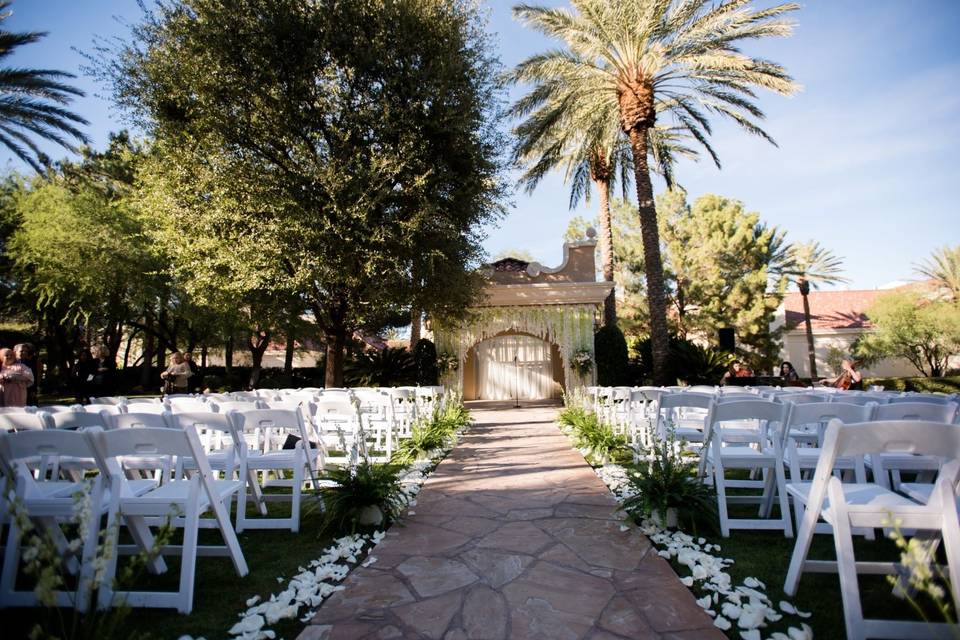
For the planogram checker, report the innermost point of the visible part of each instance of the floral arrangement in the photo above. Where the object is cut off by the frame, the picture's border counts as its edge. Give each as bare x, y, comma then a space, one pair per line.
582, 362
447, 362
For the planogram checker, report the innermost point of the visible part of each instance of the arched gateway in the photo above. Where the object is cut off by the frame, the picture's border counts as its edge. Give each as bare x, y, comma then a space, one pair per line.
520, 339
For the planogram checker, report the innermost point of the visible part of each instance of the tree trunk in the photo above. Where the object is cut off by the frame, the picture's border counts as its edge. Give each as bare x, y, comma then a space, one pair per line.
146, 375
606, 250
203, 357
288, 354
336, 342
258, 343
126, 350
228, 354
416, 324
811, 349
653, 264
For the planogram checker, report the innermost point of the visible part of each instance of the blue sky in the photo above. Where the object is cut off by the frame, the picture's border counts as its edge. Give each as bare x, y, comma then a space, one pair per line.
868, 152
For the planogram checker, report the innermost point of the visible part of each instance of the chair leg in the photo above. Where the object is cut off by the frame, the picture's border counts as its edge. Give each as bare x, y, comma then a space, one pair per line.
11, 561
188, 559
846, 562
718, 484
784, 499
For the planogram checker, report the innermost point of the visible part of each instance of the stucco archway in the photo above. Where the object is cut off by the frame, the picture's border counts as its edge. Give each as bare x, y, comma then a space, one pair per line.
513, 364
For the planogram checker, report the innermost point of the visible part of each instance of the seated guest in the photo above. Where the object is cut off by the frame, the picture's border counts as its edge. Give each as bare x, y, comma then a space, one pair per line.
15, 377
788, 373
848, 378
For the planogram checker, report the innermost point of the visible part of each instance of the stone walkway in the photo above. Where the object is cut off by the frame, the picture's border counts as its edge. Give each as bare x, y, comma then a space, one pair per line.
513, 536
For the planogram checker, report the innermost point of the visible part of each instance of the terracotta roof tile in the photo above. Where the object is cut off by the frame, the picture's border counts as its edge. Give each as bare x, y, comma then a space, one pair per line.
836, 309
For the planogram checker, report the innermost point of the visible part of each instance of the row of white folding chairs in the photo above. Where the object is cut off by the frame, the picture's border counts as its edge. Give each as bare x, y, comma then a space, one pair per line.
50, 502
271, 442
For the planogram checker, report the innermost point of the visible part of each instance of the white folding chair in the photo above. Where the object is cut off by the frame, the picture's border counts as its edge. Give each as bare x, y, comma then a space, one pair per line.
189, 497
266, 432
108, 400
49, 503
896, 464
111, 409
760, 451
847, 507
224, 446
685, 413
340, 418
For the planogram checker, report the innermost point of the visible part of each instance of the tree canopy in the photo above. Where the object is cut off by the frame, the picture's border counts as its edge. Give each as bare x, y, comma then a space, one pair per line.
341, 152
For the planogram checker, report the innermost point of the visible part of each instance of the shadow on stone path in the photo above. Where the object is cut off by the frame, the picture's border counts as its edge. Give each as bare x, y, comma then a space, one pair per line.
513, 536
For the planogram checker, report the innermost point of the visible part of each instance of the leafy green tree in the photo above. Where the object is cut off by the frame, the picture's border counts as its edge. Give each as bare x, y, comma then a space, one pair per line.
723, 268
943, 267
33, 102
810, 266
908, 325
644, 61
326, 150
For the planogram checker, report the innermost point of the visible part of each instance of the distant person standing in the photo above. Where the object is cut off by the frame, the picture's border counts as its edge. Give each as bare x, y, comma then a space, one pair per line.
15, 378
84, 371
104, 372
176, 376
194, 378
26, 355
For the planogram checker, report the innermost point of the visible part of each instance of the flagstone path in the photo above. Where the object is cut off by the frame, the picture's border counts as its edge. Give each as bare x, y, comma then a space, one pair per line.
513, 536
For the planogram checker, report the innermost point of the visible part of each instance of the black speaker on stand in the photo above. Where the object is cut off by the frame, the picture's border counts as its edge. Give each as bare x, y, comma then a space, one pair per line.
727, 339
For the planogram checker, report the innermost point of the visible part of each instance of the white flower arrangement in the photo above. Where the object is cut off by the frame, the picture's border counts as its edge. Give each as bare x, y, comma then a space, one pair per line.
745, 605
581, 362
447, 362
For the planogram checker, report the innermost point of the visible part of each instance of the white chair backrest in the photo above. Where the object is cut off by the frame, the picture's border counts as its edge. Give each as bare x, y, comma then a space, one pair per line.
915, 411
24, 446
822, 412
147, 407
271, 426
72, 420
938, 439
111, 409
194, 406
57, 408
109, 400
239, 406
803, 398
862, 399
334, 408
751, 410
139, 421
148, 442
18, 410
692, 400
919, 397
702, 388
24, 421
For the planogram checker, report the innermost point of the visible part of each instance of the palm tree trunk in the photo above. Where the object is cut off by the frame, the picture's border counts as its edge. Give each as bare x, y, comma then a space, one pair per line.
811, 349
606, 251
653, 264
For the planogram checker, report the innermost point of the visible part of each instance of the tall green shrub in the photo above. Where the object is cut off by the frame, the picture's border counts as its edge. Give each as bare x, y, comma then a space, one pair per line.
611, 353
425, 360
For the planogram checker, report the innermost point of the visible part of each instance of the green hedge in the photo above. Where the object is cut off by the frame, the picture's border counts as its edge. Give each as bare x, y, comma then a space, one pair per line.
612, 358
924, 385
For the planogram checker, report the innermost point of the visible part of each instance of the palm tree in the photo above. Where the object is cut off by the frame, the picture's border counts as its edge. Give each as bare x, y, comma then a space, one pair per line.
943, 267
33, 101
637, 60
589, 151
809, 265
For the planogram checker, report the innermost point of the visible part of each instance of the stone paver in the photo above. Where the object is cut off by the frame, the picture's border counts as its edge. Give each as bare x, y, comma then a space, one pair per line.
514, 536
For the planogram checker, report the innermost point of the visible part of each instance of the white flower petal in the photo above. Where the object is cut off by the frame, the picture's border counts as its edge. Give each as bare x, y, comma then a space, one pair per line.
722, 623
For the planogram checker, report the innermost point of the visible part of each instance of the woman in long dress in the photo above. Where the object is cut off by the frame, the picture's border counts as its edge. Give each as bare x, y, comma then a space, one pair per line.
15, 377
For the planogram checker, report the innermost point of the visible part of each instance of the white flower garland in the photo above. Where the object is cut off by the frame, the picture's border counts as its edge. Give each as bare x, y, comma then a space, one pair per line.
746, 604
319, 580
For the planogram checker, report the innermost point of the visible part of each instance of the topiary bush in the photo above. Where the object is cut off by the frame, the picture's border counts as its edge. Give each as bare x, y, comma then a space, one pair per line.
425, 361
610, 348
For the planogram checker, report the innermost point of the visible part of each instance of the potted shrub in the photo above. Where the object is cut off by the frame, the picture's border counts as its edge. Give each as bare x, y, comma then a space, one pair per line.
367, 495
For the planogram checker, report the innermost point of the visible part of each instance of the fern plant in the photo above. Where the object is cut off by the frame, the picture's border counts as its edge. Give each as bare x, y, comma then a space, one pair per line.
354, 493
668, 481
